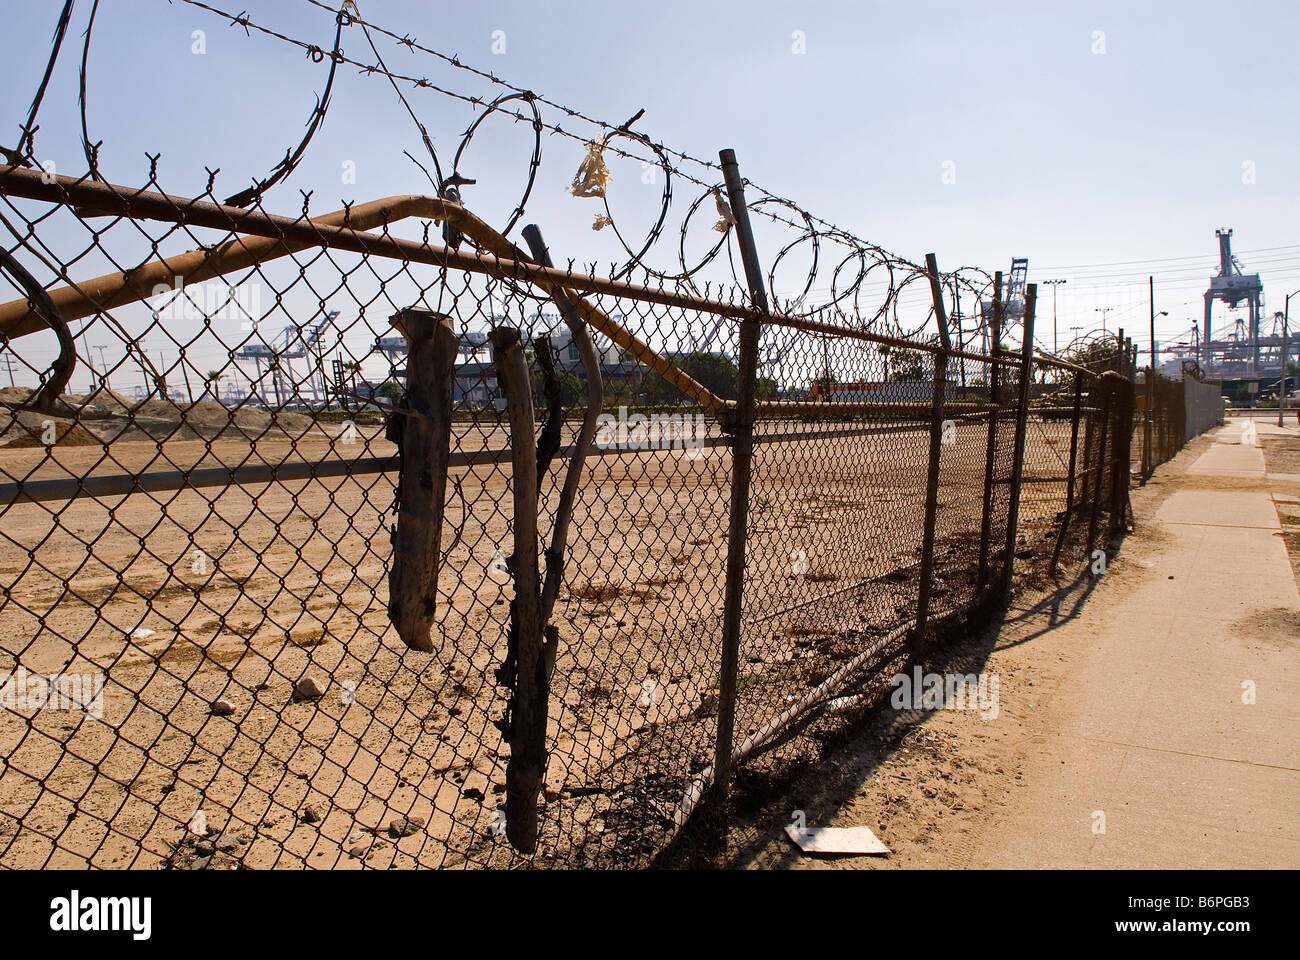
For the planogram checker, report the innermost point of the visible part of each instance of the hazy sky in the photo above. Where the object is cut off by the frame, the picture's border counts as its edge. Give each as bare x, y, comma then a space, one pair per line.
1103, 141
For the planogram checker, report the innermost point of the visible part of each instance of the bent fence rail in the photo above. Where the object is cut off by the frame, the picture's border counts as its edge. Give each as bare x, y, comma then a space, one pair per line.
198, 578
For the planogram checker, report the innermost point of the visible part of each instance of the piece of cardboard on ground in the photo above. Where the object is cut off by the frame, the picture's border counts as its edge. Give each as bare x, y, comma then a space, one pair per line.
858, 840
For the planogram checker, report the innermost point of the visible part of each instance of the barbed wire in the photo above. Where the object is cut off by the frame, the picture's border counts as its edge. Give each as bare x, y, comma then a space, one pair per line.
838, 260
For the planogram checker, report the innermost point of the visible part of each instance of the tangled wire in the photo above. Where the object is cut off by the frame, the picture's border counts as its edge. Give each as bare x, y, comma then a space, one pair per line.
847, 280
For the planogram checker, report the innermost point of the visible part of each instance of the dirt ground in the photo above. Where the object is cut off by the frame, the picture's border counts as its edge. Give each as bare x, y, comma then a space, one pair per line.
1282, 458
932, 784
205, 608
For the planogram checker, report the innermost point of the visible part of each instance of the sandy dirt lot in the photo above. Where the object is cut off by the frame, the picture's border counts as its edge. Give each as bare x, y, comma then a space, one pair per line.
184, 599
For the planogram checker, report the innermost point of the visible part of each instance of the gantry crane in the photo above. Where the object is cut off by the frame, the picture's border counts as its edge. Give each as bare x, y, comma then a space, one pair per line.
1232, 286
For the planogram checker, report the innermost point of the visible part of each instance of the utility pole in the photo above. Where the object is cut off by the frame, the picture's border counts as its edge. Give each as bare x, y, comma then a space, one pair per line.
1148, 458
1103, 311
1053, 284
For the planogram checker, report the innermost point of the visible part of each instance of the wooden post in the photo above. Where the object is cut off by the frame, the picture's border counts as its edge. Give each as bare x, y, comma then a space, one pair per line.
422, 430
587, 433
526, 729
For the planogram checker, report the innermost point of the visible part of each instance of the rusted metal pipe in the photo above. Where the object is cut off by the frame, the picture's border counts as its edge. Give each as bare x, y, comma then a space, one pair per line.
1022, 423
345, 230
504, 261
742, 452
87, 297
926, 580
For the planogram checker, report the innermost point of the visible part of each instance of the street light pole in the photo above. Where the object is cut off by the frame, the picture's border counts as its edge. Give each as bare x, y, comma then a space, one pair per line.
1148, 455
1103, 311
1053, 284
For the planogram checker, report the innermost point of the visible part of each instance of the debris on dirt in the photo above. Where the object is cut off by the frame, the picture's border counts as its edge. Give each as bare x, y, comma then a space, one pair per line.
840, 703
307, 689
850, 840
708, 706
196, 852
400, 827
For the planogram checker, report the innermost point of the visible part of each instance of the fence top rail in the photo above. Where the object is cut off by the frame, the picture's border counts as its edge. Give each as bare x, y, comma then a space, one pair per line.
143, 204
103, 198
1044, 359
1047, 360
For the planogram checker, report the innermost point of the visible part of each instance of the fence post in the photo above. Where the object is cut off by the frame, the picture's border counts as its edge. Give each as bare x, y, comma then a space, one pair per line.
1179, 440
422, 429
741, 427
526, 729
1086, 481
1116, 419
986, 521
936, 447
1074, 460
1124, 441
1107, 389
1022, 424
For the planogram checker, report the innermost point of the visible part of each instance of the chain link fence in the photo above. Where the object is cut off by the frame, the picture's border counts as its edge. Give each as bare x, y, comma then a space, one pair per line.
371, 539
211, 558
1180, 410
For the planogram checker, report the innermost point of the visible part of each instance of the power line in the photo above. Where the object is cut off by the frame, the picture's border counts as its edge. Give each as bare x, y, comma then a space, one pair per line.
1125, 263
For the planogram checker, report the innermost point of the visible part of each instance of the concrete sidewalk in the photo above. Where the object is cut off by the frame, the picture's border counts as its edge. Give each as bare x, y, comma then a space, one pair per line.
1147, 750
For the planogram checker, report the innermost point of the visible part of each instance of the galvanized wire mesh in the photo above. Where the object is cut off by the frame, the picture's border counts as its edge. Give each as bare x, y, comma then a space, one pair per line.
257, 708
197, 504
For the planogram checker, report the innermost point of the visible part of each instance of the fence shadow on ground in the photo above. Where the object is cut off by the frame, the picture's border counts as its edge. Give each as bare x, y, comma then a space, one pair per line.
760, 802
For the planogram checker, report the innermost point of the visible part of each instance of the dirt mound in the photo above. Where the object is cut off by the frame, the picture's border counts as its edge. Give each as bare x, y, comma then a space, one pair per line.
116, 404
157, 418
209, 415
208, 419
78, 406
28, 428
294, 424
125, 431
